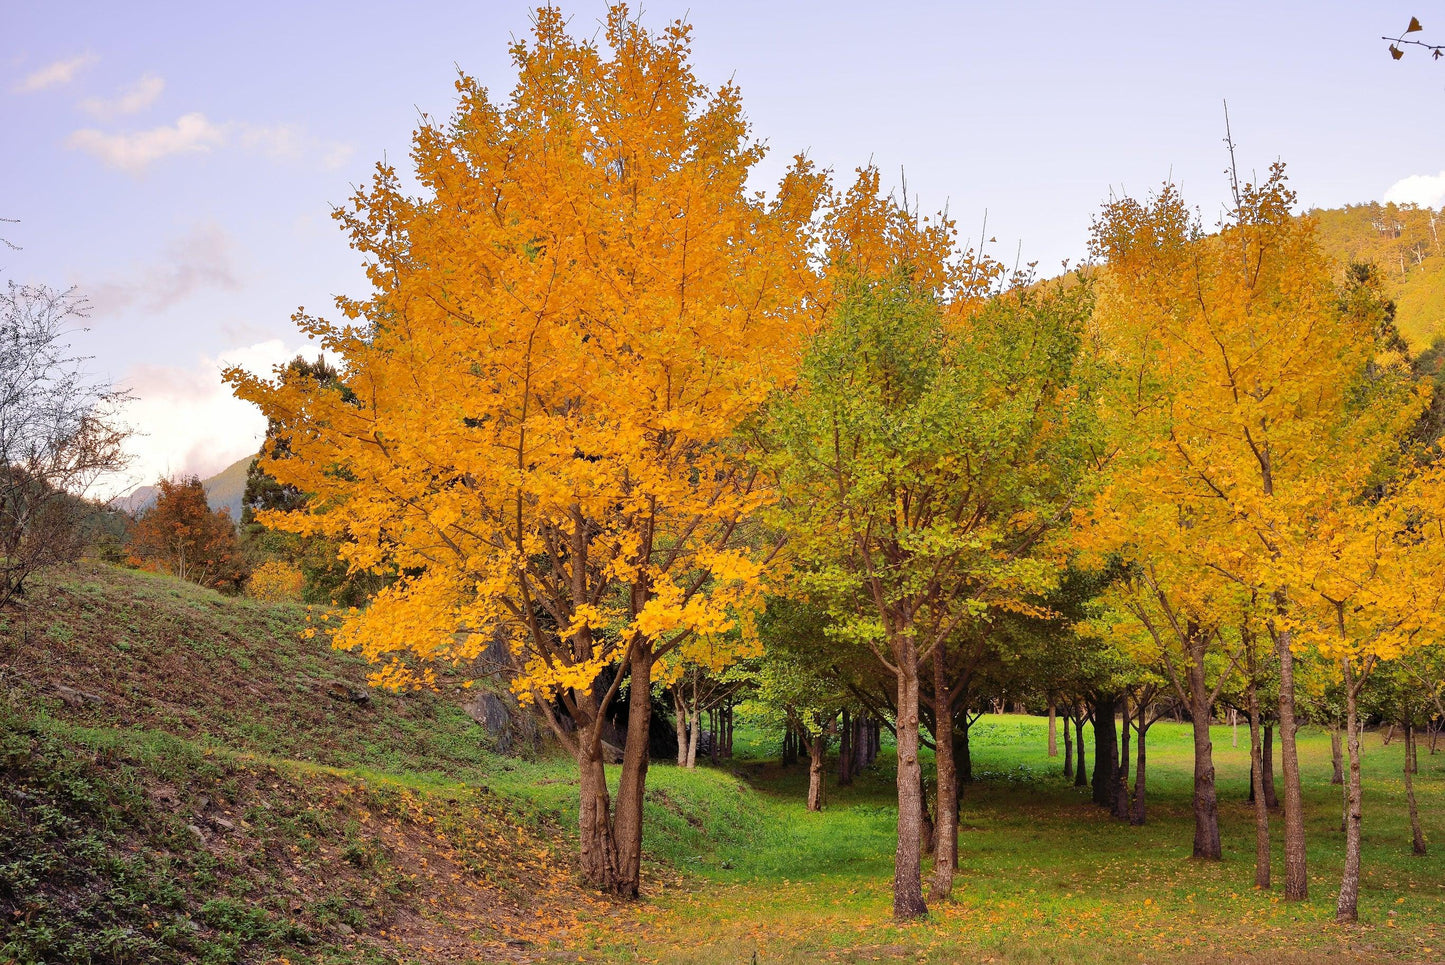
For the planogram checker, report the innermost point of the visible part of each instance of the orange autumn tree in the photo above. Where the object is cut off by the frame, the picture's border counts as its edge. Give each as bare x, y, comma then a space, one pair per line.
567, 327
1241, 412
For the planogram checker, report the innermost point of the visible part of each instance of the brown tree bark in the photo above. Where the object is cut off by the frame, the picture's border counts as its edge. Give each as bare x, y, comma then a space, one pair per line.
633, 783
1296, 880
845, 750
1068, 745
908, 861
1271, 800
1121, 808
945, 850
817, 748
1138, 813
679, 723
1256, 780
1106, 751
1081, 767
1347, 907
1417, 844
1337, 756
599, 845
1206, 804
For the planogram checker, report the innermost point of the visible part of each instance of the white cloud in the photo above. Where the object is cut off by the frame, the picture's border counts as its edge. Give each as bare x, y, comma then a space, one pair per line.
56, 74
134, 152
290, 142
187, 420
137, 97
198, 260
1426, 190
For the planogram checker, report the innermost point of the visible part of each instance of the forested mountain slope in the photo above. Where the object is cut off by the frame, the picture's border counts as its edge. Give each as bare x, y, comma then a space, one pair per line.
1405, 245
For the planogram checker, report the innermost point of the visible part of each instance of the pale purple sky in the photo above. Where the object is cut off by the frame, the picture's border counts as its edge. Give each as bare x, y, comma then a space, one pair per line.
178, 161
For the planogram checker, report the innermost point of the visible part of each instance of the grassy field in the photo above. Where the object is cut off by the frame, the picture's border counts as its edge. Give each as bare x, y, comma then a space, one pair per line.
204, 800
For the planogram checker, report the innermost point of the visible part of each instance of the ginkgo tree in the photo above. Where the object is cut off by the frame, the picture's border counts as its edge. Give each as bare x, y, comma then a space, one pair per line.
1240, 409
932, 443
1376, 578
567, 326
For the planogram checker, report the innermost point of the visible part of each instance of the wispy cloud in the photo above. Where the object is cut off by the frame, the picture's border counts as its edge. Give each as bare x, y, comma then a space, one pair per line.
201, 259
1427, 190
137, 97
56, 74
194, 133
291, 142
136, 151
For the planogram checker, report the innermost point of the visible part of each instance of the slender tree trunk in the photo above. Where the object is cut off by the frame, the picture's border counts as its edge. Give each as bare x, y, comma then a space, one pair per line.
1296, 881
1206, 804
1053, 730
1257, 792
862, 744
945, 848
1068, 747
595, 829
1389, 735
728, 732
1337, 755
679, 710
694, 733
1081, 767
1417, 836
1121, 770
633, 783
1347, 907
963, 752
715, 735
845, 750
908, 861
1271, 800
1138, 815
817, 748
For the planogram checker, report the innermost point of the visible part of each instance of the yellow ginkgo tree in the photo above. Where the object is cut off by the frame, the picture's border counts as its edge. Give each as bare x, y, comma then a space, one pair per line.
1376, 582
568, 324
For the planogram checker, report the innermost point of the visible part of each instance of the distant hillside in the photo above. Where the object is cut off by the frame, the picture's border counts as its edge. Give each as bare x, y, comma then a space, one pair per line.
224, 490
1404, 243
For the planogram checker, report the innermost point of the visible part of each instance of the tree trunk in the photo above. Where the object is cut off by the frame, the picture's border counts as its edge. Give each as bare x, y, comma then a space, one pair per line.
862, 744
1053, 730
1296, 882
679, 711
1106, 751
1389, 735
633, 784
1081, 767
945, 848
1068, 747
1137, 816
1418, 838
845, 750
1336, 755
1347, 907
714, 735
817, 748
1121, 769
1257, 791
594, 822
963, 753
1271, 800
1206, 805
693, 732
907, 863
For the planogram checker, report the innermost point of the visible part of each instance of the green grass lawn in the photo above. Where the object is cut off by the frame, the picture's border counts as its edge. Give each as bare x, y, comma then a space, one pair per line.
1045, 876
